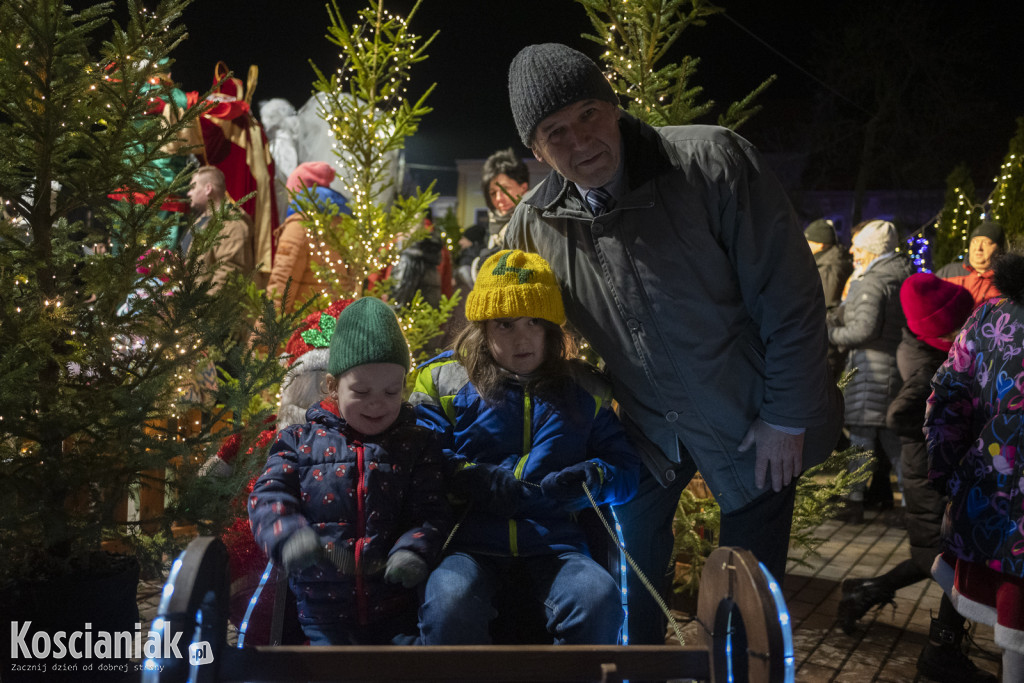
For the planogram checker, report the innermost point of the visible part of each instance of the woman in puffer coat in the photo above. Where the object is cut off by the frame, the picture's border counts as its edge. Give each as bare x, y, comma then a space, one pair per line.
869, 324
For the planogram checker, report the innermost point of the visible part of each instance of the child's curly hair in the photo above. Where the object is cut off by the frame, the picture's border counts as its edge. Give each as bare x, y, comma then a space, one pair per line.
472, 349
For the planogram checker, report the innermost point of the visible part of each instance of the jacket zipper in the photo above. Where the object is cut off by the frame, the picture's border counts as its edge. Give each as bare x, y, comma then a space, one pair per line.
362, 607
513, 531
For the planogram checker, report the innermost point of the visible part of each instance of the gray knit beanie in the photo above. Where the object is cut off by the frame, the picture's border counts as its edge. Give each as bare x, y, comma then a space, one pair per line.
546, 77
367, 332
877, 237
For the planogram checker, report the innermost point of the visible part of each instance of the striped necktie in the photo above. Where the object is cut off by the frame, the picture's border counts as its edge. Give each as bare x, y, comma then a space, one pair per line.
599, 200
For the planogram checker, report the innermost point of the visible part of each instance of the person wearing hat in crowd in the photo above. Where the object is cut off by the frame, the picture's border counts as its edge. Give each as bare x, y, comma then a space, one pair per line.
834, 265
869, 326
351, 503
974, 430
834, 268
293, 261
987, 241
682, 264
935, 310
529, 433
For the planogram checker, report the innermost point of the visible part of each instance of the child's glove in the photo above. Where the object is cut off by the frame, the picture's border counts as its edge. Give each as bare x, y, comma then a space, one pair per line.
567, 484
300, 551
407, 568
495, 487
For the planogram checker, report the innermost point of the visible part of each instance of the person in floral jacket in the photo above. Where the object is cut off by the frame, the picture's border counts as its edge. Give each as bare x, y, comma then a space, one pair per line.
352, 503
975, 434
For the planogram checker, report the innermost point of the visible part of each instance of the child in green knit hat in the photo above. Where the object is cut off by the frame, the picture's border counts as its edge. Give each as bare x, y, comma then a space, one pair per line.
529, 435
351, 503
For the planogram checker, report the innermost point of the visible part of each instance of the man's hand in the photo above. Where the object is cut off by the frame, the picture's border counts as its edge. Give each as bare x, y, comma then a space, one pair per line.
782, 451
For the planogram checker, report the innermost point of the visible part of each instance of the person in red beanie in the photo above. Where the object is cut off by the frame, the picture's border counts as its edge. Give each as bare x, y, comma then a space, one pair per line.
297, 250
935, 309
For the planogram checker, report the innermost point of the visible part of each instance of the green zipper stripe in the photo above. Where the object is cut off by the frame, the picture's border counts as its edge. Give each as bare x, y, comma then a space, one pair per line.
513, 530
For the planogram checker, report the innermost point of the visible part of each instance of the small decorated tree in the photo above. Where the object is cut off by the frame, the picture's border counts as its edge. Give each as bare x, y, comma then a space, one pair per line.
101, 347
637, 38
961, 211
364, 103
959, 214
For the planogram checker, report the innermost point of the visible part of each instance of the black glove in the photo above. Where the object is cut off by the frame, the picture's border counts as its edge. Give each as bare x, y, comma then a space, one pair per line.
494, 487
567, 484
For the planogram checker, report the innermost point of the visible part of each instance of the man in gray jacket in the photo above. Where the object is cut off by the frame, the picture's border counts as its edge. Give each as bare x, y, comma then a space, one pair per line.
682, 264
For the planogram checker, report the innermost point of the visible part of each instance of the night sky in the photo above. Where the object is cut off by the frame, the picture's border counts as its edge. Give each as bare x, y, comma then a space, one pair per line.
469, 58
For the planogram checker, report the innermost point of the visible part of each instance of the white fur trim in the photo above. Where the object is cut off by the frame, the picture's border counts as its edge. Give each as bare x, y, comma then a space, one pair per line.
302, 387
1009, 639
311, 361
290, 415
943, 574
216, 466
973, 610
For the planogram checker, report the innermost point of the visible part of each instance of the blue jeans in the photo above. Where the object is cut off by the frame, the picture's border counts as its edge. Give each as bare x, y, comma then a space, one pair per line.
399, 629
580, 599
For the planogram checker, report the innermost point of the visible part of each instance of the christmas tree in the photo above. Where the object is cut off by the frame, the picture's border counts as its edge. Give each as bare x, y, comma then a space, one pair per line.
637, 38
102, 347
962, 211
365, 103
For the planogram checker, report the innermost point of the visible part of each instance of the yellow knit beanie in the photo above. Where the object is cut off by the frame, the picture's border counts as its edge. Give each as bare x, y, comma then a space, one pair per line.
514, 284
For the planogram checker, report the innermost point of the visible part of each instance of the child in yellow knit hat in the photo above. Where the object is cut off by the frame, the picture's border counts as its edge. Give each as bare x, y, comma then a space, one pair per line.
527, 431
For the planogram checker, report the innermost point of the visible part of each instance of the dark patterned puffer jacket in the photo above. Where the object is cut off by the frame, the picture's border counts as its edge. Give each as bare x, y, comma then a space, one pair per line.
365, 498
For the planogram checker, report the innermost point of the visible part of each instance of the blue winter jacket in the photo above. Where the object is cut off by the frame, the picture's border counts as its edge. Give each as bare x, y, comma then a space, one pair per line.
369, 496
532, 438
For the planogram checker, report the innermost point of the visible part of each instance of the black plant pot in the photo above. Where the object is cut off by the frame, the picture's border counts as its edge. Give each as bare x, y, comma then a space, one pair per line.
88, 602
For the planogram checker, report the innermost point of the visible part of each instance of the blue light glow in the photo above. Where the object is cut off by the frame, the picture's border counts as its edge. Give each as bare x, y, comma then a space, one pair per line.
788, 655
252, 603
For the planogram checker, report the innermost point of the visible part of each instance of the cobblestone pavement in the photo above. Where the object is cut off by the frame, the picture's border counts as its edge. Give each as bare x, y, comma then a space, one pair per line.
887, 646
884, 650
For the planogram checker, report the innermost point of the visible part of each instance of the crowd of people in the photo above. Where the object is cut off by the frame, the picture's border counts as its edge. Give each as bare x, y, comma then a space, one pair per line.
895, 328
404, 522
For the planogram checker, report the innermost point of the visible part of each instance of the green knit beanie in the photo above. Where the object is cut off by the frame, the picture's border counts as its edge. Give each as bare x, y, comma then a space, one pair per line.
367, 332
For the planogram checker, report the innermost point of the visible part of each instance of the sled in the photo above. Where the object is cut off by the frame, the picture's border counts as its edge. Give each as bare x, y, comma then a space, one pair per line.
734, 588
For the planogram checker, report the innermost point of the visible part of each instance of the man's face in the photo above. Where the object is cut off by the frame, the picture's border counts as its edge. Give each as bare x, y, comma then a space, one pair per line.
505, 192
581, 141
199, 195
980, 253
